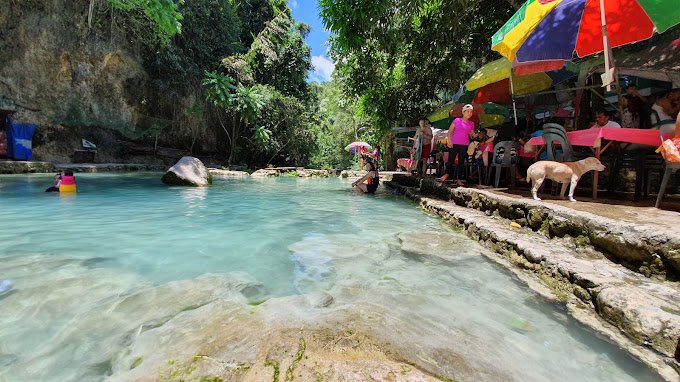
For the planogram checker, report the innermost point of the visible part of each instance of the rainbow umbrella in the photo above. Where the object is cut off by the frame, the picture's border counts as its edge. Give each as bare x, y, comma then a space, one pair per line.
553, 30
357, 146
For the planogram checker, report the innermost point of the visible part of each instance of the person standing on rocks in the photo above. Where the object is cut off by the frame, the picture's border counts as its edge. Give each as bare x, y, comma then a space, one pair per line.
460, 131
422, 144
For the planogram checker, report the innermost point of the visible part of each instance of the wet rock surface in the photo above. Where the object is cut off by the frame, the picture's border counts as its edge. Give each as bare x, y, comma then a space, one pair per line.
227, 173
584, 259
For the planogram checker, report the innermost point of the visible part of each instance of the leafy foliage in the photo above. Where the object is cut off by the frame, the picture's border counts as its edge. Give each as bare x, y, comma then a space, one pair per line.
163, 13
280, 57
397, 56
335, 125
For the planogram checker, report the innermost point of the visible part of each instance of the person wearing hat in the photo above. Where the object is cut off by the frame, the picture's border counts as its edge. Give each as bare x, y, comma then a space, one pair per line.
459, 133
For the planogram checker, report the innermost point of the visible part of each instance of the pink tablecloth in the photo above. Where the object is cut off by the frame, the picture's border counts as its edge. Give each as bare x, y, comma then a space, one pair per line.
591, 137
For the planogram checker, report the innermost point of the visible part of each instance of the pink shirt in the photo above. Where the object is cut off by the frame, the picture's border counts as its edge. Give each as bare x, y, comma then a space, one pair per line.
461, 132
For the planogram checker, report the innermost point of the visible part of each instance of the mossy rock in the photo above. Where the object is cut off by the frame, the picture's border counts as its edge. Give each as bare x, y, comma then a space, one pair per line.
582, 293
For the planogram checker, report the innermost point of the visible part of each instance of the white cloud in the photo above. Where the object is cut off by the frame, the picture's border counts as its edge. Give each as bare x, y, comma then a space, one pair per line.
293, 4
323, 69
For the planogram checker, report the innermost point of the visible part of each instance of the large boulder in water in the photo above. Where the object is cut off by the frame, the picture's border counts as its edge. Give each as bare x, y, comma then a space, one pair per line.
188, 171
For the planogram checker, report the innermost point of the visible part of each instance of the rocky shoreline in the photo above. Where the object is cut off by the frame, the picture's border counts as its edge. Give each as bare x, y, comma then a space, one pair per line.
614, 276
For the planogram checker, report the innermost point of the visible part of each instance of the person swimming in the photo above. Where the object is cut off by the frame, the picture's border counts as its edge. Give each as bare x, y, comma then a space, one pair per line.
55, 186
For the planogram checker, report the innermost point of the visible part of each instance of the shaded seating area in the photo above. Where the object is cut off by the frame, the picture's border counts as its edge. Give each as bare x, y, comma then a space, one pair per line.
505, 155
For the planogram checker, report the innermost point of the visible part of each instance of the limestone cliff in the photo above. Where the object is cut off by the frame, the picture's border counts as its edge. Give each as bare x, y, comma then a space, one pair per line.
64, 66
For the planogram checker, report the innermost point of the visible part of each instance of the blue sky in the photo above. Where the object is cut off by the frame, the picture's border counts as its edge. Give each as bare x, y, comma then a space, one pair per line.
307, 11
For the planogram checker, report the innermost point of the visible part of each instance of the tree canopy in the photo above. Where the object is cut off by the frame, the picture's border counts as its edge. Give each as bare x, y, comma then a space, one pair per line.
397, 57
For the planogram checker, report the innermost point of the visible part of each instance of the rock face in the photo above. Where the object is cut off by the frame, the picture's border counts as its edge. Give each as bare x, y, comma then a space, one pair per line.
60, 70
91, 80
189, 171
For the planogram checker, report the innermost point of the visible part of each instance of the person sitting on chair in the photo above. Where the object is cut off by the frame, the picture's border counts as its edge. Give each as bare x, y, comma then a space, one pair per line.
602, 120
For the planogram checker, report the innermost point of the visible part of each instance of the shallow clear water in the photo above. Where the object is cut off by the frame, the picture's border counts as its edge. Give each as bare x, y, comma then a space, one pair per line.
122, 233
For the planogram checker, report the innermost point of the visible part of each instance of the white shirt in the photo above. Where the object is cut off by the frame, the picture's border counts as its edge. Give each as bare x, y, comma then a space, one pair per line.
609, 124
662, 114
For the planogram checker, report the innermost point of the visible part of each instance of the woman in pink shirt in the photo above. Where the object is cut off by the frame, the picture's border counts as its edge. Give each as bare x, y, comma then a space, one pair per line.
460, 131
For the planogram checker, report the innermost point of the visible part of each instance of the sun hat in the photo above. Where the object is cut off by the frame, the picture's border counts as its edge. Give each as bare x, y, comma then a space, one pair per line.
467, 107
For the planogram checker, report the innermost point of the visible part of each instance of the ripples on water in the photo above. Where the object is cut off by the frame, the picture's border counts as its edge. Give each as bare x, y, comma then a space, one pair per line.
70, 257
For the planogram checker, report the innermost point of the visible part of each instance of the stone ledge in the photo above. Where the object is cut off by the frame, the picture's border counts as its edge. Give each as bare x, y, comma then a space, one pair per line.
649, 249
23, 167
641, 308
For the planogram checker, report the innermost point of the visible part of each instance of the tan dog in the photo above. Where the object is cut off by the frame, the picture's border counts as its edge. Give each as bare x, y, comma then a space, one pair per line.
406, 163
565, 173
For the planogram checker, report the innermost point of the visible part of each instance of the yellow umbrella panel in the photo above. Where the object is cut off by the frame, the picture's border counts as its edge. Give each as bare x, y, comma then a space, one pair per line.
500, 70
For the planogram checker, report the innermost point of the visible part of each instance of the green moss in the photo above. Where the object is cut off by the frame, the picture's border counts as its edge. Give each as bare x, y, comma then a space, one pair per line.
136, 362
256, 302
275, 364
179, 372
560, 287
211, 379
302, 346
582, 294
582, 240
290, 173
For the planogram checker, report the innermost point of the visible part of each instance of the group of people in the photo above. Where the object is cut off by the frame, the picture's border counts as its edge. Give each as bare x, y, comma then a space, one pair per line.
64, 181
649, 112
465, 141
460, 134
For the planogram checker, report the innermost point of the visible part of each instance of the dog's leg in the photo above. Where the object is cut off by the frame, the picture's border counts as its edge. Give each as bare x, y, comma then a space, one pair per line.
563, 190
535, 187
574, 181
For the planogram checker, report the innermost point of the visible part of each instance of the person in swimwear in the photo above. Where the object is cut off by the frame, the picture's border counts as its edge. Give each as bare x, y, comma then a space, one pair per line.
55, 186
371, 178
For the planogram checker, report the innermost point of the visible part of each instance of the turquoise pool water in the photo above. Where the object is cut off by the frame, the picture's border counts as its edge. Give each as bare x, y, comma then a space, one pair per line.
69, 257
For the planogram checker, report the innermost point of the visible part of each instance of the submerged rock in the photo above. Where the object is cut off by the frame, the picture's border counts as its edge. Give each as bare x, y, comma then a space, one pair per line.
188, 171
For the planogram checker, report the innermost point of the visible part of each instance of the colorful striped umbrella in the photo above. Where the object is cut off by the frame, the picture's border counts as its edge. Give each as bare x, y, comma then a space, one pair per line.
544, 30
357, 146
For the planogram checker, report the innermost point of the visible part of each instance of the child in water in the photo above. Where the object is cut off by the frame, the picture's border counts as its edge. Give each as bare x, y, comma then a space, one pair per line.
55, 186
68, 182
371, 178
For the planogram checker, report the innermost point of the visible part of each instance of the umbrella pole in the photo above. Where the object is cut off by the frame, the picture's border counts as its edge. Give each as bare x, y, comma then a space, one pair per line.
512, 95
605, 45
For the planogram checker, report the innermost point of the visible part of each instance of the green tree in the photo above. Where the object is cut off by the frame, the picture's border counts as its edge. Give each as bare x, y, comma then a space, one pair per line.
241, 105
335, 125
397, 56
280, 57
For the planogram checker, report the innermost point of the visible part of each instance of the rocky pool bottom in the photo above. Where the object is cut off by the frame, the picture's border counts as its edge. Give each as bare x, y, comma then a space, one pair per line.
274, 279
